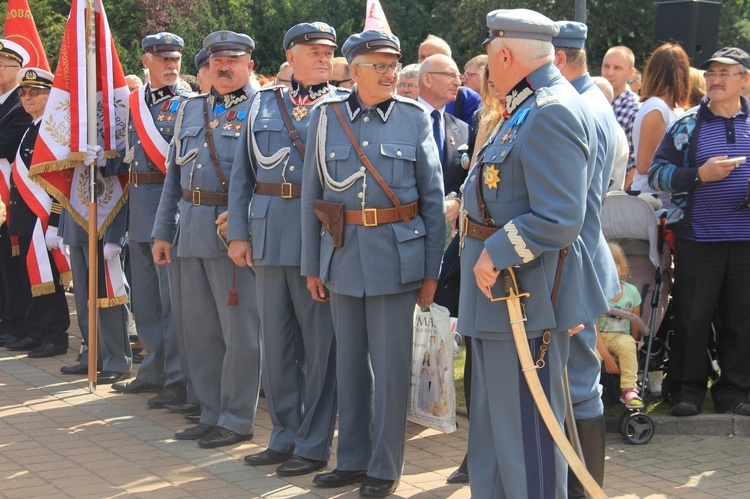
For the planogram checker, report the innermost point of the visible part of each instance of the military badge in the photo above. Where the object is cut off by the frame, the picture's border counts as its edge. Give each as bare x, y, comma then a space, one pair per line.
491, 177
453, 141
213, 124
299, 112
465, 161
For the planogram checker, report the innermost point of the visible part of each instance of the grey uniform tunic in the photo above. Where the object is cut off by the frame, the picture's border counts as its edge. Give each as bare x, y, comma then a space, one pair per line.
222, 343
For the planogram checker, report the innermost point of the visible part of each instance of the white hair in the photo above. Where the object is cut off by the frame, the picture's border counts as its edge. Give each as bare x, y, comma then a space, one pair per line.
527, 50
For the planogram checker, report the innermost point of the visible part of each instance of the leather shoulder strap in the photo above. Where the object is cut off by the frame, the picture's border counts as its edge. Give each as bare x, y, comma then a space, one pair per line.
212, 149
288, 122
368, 165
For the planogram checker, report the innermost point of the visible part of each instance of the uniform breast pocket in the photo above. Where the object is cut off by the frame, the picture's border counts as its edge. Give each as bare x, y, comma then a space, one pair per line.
189, 143
226, 146
398, 164
336, 159
263, 131
497, 174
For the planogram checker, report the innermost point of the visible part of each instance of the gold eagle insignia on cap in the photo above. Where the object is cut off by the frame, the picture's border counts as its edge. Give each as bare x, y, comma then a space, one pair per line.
223, 37
168, 38
321, 27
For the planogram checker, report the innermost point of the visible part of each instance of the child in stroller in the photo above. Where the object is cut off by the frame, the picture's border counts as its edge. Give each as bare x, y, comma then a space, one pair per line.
616, 336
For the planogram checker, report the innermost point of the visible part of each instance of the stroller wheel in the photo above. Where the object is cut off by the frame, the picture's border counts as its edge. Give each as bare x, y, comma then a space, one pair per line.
636, 427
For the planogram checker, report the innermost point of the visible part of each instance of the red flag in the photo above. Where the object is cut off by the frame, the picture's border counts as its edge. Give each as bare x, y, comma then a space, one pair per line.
20, 28
57, 164
375, 17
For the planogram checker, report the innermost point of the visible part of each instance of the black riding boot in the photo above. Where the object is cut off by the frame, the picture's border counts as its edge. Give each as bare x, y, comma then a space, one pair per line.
591, 434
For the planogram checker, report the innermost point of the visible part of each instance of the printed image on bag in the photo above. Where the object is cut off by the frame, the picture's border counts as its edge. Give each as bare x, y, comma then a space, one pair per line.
433, 393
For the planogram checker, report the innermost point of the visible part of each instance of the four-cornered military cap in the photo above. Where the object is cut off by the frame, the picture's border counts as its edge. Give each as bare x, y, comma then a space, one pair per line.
316, 32
371, 41
34, 77
519, 23
201, 59
14, 51
729, 55
163, 45
228, 43
572, 35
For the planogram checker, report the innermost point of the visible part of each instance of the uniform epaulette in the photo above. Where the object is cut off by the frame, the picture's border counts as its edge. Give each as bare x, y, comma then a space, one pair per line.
407, 100
544, 96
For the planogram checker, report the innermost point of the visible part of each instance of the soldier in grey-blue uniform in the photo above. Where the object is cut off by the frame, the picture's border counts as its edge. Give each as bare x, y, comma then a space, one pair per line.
115, 356
151, 121
525, 202
584, 368
390, 257
299, 368
219, 312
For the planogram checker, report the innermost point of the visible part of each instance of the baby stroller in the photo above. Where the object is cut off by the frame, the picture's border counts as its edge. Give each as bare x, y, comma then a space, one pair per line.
632, 223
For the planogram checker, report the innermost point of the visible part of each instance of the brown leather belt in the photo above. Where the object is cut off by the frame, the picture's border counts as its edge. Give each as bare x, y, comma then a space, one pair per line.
372, 217
146, 178
203, 198
478, 231
287, 190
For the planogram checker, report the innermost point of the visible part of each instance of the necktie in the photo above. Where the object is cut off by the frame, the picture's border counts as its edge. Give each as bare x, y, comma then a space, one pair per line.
436, 133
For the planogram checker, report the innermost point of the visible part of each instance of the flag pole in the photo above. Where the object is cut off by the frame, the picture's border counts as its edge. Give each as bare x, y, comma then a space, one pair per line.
93, 236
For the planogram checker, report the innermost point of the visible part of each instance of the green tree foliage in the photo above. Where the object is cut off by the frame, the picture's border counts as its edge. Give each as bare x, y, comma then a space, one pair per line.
460, 22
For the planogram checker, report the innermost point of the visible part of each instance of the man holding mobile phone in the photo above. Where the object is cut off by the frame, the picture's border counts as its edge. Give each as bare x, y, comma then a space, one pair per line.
697, 162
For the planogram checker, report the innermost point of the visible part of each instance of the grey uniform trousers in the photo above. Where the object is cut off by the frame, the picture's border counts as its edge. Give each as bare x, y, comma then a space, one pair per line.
222, 342
152, 305
373, 370
511, 453
175, 291
299, 363
114, 344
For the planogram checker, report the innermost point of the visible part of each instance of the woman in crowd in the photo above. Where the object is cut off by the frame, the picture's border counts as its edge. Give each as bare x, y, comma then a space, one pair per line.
664, 94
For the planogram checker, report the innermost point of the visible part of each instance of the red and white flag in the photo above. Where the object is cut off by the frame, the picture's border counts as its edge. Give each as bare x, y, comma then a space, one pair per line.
38, 260
20, 28
57, 164
375, 17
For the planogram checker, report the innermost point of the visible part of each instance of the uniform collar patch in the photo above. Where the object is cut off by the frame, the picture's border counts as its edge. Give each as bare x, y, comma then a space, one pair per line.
228, 100
382, 109
518, 95
155, 96
298, 92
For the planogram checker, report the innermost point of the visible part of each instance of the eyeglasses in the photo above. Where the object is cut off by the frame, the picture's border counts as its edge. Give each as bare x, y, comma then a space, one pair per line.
634, 80
382, 68
468, 75
450, 74
3, 66
721, 75
337, 83
33, 92
412, 86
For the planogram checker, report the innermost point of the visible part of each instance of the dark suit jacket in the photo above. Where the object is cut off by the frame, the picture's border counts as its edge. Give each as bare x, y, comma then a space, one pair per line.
13, 122
459, 139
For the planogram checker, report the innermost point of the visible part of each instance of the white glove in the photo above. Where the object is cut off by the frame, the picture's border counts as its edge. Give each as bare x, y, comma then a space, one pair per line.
112, 250
51, 239
94, 155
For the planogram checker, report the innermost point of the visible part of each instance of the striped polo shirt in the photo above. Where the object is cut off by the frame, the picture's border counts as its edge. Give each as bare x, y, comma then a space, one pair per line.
713, 217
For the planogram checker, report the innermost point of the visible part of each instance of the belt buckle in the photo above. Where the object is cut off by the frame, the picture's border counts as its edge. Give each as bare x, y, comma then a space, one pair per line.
134, 178
196, 197
286, 190
374, 212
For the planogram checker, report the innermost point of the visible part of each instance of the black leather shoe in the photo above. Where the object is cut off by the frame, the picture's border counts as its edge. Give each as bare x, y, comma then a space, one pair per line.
138, 358
375, 487
298, 465
76, 369
681, 409
194, 433
458, 476
339, 478
48, 350
221, 437
174, 393
136, 386
23, 345
8, 338
268, 456
186, 408
109, 377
